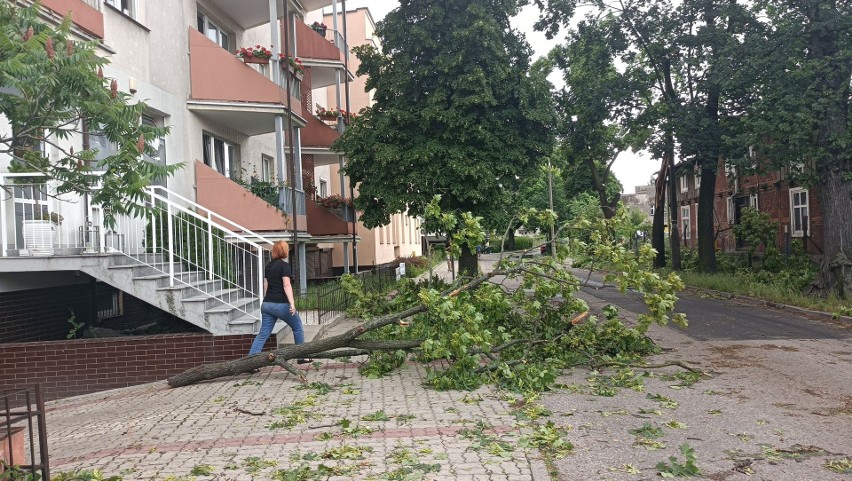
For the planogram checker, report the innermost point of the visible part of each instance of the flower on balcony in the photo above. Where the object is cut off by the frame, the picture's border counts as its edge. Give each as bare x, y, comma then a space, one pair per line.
334, 201
333, 113
321, 25
256, 52
293, 63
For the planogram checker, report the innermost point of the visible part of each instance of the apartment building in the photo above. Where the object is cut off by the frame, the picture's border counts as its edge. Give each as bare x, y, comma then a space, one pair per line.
235, 121
402, 236
793, 206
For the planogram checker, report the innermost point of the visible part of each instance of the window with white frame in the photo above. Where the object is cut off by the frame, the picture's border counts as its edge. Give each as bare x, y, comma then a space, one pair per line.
697, 180
731, 210
128, 7
221, 155
212, 30
266, 169
323, 188
684, 184
158, 145
799, 213
685, 222
752, 202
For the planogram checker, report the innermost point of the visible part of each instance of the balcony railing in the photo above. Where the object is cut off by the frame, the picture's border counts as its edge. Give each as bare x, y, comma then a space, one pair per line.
96, 4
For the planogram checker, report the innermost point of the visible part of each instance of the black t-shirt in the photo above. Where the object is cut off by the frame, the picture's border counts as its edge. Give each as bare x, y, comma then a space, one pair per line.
275, 271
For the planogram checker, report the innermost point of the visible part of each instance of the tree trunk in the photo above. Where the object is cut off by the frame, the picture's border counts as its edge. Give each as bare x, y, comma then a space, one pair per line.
658, 231
510, 241
674, 231
706, 236
835, 199
834, 168
468, 262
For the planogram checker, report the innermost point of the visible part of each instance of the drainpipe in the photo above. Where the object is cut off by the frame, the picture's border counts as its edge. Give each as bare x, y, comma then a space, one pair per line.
294, 249
340, 125
348, 107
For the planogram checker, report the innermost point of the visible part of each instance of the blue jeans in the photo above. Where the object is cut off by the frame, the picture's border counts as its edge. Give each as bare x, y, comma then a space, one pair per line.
271, 312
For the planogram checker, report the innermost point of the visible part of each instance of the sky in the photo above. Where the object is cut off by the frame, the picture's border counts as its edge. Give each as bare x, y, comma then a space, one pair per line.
630, 168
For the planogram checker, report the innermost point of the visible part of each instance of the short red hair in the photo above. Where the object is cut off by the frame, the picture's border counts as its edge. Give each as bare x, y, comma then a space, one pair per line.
280, 250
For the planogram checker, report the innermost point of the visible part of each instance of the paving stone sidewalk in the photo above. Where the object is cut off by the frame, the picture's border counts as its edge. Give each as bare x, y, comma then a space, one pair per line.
259, 426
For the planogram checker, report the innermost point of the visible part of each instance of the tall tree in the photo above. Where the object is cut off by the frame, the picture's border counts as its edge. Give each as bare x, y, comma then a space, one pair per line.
685, 48
803, 66
596, 106
52, 93
457, 111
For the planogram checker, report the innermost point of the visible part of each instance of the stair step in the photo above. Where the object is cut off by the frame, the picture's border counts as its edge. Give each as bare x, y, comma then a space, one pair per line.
225, 308
286, 335
203, 296
243, 325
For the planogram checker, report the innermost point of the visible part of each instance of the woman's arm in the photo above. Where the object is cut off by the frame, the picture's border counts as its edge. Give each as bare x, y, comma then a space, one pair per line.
265, 286
288, 289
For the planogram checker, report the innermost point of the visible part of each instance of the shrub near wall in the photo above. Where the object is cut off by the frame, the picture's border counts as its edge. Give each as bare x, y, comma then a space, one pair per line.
70, 368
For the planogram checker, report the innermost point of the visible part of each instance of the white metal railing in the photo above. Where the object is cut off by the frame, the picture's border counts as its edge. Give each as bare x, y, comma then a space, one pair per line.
96, 4
193, 246
201, 249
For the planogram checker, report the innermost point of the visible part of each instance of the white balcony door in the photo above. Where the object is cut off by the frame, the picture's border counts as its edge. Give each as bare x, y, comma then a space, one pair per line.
221, 155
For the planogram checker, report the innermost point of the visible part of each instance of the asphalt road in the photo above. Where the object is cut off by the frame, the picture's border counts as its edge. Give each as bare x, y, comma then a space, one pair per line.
722, 319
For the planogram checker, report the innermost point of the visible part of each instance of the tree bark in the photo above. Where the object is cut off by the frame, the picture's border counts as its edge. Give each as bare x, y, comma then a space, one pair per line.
468, 262
834, 169
658, 231
674, 230
706, 235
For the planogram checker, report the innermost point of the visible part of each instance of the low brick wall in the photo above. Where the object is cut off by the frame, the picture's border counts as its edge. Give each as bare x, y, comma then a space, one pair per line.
71, 368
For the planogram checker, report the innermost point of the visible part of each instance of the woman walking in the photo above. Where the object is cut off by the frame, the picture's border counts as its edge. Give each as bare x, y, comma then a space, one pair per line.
278, 301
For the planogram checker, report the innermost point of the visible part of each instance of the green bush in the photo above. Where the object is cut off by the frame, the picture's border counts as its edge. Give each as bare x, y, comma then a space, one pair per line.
523, 243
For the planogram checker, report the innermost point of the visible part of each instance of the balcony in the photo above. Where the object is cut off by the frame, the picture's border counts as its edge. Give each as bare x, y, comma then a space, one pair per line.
231, 93
231, 200
323, 222
84, 14
318, 134
321, 54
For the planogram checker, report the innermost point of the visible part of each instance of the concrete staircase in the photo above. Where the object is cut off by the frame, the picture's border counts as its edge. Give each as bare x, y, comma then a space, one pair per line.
208, 304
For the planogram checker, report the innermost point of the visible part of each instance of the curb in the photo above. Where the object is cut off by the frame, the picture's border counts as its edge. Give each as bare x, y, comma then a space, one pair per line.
826, 316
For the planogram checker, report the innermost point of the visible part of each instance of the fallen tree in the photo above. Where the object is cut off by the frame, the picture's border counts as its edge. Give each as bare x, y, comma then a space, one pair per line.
517, 325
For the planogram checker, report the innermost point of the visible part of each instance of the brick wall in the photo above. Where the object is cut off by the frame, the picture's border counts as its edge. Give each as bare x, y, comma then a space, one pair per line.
42, 314
70, 368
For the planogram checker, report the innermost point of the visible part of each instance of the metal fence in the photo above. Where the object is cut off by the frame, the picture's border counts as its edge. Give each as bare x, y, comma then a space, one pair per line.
21, 425
324, 302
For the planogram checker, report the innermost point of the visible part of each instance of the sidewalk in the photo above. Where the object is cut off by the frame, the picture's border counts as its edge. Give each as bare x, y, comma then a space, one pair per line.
258, 426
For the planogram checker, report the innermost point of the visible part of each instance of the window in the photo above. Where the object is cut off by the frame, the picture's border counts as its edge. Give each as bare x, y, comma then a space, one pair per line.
159, 147
209, 28
684, 184
799, 217
110, 301
752, 202
126, 6
686, 225
652, 210
731, 210
266, 169
323, 188
221, 155
697, 180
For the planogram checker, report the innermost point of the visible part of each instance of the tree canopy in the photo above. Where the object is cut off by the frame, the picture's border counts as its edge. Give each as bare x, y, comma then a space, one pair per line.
457, 111
54, 91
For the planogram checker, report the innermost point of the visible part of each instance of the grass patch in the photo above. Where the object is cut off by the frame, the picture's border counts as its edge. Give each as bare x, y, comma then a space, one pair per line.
734, 284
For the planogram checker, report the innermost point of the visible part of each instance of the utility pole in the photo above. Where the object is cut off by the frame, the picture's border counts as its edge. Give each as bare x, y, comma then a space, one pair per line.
551, 247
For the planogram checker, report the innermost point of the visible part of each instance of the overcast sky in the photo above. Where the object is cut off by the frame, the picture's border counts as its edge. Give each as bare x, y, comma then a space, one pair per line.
631, 169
